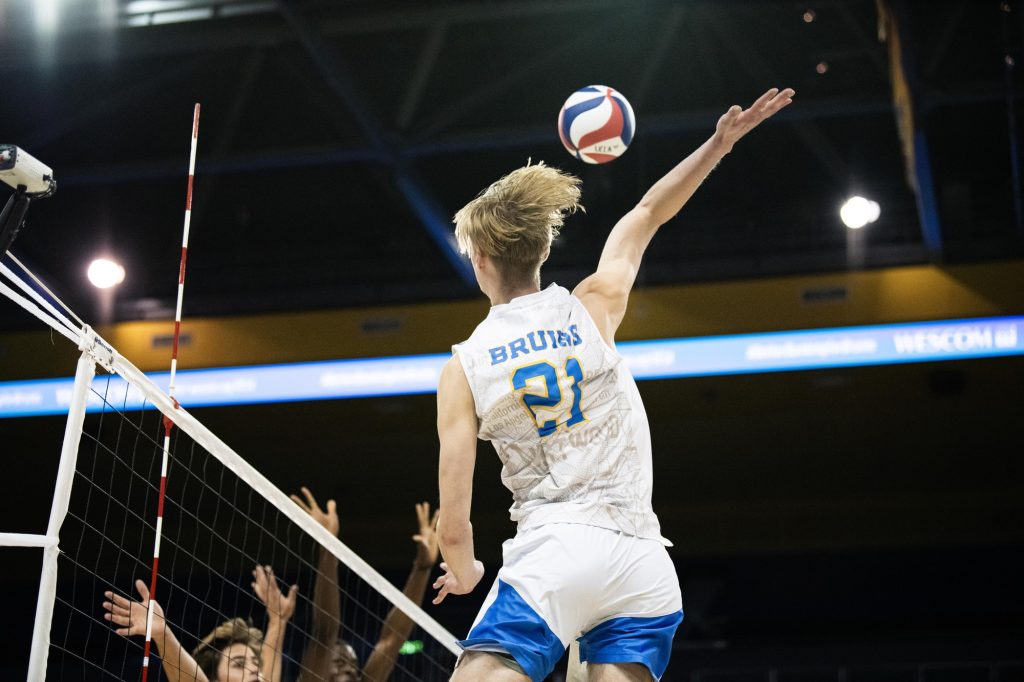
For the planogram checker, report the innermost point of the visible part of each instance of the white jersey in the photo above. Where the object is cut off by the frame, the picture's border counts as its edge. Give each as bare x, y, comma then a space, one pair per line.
564, 415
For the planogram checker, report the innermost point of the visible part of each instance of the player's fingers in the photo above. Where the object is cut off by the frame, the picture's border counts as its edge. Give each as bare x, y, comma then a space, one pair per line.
761, 101
433, 519
140, 587
124, 632
117, 620
729, 118
116, 598
779, 104
309, 498
444, 566
296, 500
441, 595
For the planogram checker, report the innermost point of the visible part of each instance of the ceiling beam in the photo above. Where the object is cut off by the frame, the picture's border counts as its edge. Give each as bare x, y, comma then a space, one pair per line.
501, 138
459, 109
421, 76
752, 62
662, 44
82, 47
418, 196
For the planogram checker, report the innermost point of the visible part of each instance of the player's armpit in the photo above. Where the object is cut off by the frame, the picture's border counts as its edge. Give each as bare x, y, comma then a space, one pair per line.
605, 295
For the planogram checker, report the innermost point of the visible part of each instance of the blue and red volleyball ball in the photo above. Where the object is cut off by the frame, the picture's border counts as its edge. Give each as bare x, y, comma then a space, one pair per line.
596, 124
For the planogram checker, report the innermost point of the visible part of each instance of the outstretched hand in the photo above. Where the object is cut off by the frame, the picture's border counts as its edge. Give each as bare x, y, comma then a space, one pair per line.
328, 519
131, 615
738, 121
426, 539
449, 584
279, 604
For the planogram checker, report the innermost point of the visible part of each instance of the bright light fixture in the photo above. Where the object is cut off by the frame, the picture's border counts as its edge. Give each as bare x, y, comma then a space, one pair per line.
105, 273
858, 212
46, 15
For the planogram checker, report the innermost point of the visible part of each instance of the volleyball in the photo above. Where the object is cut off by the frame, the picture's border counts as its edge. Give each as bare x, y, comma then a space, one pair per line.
596, 124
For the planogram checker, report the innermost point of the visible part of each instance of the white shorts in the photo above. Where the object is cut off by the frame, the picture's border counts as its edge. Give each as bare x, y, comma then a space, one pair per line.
616, 593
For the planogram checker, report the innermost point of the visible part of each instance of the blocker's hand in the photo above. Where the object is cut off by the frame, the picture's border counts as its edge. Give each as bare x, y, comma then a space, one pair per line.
279, 605
328, 519
426, 539
448, 584
131, 615
738, 121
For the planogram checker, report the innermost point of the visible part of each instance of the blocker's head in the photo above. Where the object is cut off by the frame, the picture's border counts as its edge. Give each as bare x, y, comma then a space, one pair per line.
231, 653
344, 663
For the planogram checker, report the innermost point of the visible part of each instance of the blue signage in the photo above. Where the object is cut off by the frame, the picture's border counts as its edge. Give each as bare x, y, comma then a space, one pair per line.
661, 359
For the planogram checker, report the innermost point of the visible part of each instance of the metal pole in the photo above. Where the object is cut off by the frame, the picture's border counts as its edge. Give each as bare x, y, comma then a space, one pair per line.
58, 511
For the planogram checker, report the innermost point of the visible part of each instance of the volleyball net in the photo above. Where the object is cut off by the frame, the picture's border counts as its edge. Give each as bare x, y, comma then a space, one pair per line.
237, 562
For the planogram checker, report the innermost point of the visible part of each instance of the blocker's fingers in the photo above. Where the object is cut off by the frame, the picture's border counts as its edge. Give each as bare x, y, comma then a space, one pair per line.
441, 595
117, 599
118, 620
310, 498
296, 500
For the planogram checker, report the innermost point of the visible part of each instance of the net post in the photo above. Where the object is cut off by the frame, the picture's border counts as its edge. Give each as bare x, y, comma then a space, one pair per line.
58, 511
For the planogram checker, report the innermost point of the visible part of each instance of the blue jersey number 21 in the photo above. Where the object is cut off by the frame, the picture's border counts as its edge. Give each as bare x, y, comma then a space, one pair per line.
551, 397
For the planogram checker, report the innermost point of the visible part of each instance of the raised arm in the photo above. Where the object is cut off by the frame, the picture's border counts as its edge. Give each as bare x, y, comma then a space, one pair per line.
397, 625
280, 608
130, 615
316, 660
456, 429
606, 292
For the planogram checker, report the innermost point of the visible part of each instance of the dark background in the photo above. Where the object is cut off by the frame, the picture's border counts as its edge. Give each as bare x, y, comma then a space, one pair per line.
863, 518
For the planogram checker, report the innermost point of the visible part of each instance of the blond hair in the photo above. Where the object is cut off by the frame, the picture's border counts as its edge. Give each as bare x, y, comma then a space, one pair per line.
211, 649
515, 219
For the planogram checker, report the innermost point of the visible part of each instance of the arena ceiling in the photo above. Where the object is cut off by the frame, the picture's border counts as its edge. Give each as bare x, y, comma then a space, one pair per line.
337, 138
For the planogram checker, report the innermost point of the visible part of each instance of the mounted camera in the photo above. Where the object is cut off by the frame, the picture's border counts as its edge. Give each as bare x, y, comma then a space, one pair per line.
31, 180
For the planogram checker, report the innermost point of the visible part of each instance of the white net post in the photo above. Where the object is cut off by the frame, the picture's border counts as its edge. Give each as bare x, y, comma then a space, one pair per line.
58, 511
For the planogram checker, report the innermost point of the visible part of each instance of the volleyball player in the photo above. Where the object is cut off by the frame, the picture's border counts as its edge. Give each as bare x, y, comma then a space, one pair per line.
328, 656
540, 378
234, 651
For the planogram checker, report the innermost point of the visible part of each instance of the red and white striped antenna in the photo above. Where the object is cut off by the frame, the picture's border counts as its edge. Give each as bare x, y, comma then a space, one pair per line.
168, 423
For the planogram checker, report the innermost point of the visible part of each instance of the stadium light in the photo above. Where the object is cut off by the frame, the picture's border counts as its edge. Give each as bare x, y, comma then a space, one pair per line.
46, 15
858, 212
105, 273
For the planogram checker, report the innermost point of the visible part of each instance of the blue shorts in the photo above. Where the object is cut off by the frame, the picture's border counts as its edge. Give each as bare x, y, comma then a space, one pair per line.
616, 594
